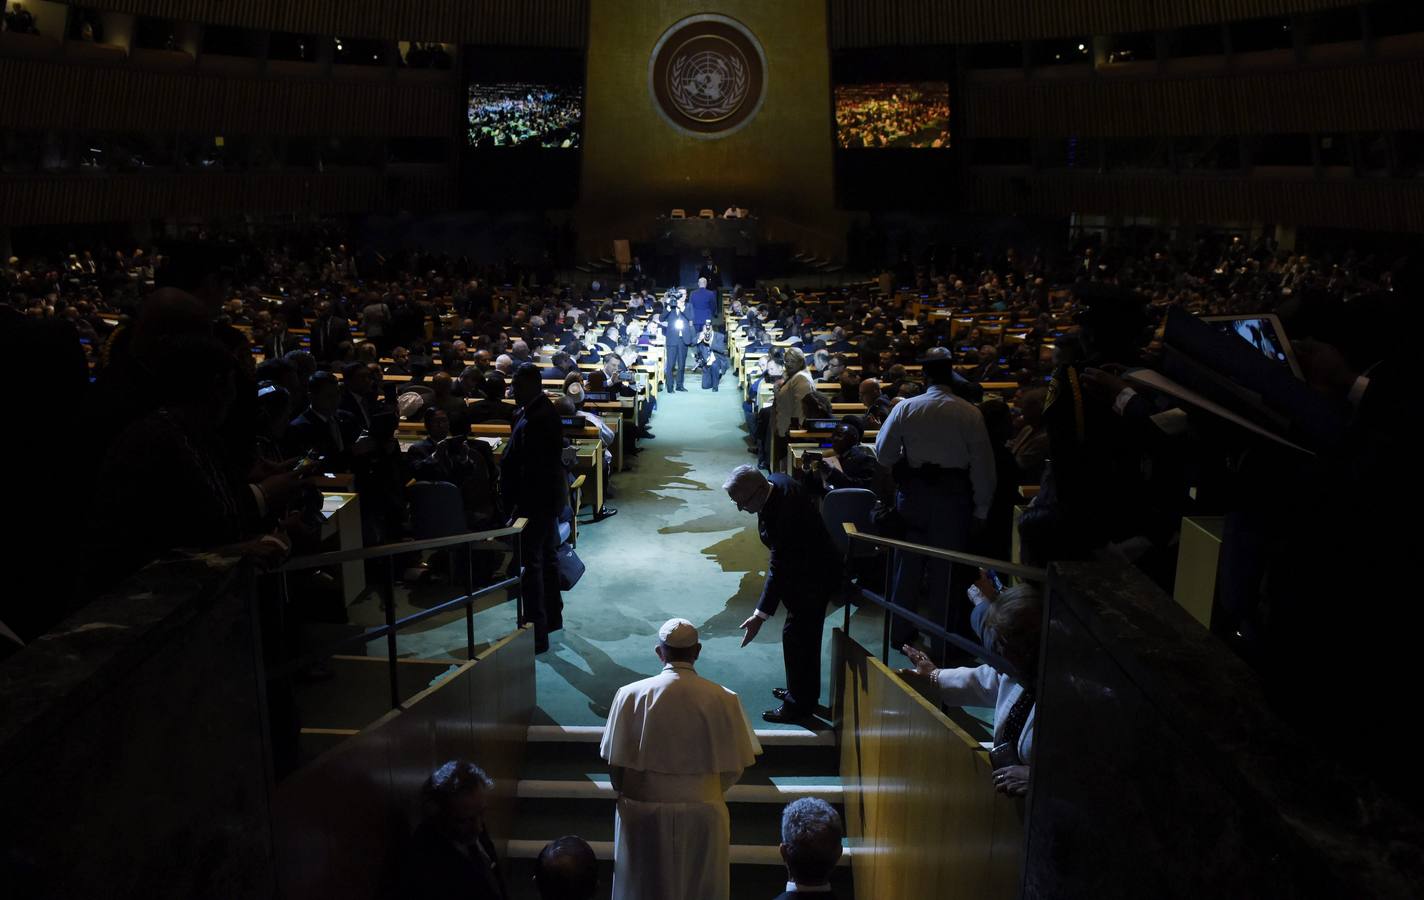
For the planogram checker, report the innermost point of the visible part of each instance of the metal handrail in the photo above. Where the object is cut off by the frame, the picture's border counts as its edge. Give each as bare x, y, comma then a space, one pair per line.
969, 559
318, 560
392, 625
934, 629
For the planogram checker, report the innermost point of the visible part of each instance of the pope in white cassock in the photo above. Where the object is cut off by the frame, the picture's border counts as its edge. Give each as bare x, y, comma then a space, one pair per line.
674, 744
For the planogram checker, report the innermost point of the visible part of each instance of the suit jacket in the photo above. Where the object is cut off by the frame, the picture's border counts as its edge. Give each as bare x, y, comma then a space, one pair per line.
804, 565
487, 410
328, 334
675, 340
533, 481
859, 469
703, 305
433, 867
307, 432
279, 345
352, 405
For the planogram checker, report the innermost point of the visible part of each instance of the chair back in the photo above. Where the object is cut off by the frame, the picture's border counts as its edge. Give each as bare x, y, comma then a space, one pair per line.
846, 505
679, 213
707, 214
436, 510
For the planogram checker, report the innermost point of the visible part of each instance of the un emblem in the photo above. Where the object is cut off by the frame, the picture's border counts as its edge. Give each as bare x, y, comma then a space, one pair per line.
707, 75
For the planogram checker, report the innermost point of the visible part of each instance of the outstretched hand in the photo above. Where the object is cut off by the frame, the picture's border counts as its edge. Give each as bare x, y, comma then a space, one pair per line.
751, 626
924, 666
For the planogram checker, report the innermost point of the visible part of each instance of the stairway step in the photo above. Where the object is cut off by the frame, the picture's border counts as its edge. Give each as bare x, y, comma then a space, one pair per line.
591, 817
750, 881
769, 737
784, 764
602, 788
741, 854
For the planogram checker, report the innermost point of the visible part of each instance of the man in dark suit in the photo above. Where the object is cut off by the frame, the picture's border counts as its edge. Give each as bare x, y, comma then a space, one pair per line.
811, 835
450, 853
323, 426
491, 406
704, 305
279, 341
328, 333
559, 367
802, 573
358, 396
713, 345
534, 485
677, 329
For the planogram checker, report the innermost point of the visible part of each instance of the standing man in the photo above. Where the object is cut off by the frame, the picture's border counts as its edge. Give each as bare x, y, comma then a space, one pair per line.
678, 330
534, 484
328, 333
803, 572
938, 448
704, 305
674, 743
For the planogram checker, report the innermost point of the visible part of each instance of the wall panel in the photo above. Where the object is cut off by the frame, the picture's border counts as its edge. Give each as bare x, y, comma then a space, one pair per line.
339, 821
45, 96
876, 23
1358, 97
57, 200
922, 815
1383, 205
544, 23
635, 163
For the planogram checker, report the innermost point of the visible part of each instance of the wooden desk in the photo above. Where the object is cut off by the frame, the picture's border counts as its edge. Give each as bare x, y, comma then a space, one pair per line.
341, 519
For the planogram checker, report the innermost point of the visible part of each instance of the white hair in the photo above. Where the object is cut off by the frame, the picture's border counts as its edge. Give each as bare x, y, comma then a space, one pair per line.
504, 363
744, 476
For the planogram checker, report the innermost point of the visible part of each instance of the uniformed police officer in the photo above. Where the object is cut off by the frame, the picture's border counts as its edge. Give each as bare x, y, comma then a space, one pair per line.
938, 448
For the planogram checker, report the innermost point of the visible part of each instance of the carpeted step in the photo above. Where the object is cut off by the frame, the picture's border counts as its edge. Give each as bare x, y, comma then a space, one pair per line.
566, 790
750, 880
789, 757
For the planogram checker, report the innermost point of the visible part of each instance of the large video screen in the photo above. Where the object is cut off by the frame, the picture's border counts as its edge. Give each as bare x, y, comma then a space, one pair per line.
510, 114
899, 115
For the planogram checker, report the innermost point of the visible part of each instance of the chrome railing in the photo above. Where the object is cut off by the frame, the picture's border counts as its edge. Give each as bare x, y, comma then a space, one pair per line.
393, 626
894, 610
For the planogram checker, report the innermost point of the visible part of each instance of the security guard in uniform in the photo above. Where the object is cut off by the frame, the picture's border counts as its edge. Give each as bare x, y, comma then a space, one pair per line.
937, 446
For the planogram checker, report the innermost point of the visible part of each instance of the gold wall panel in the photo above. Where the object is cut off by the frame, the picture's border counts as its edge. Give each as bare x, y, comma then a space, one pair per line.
922, 815
880, 23
340, 820
636, 164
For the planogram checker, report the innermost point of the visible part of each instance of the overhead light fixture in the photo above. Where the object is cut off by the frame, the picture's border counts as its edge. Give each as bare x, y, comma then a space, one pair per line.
1082, 48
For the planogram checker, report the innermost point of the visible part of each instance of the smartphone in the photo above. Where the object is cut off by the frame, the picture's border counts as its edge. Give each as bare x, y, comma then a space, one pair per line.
998, 582
1003, 755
